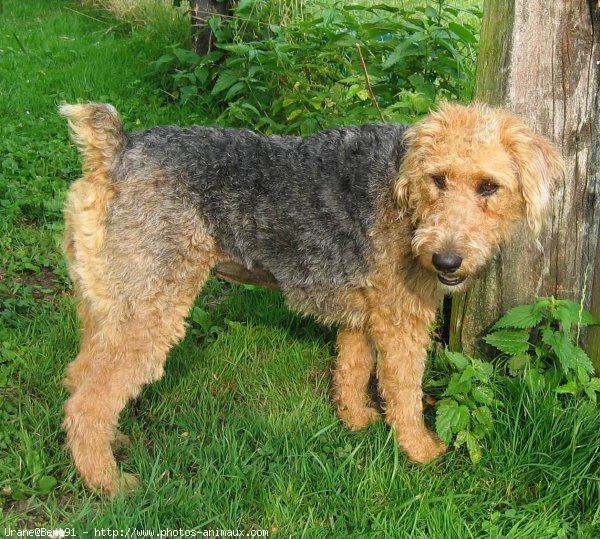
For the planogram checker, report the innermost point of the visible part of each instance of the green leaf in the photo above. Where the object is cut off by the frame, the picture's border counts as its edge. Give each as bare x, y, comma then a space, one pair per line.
591, 388
483, 395
570, 388
214, 23
202, 73
483, 370
588, 319
563, 348
431, 12
427, 88
408, 47
461, 439
522, 316
353, 90
594, 384
517, 364
239, 49
460, 383
462, 32
251, 108
451, 417
458, 360
185, 56
225, 80
45, 484
483, 416
473, 448
164, 59
21, 492
582, 361
294, 114
509, 341
373, 8
343, 40
569, 313
421, 103
234, 90
290, 99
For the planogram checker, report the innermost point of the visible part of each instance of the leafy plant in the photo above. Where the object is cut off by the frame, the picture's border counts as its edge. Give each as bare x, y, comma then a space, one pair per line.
464, 413
306, 74
541, 341
203, 325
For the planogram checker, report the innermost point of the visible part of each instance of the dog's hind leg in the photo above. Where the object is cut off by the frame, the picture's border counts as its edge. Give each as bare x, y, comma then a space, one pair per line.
137, 253
127, 350
136, 278
353, 369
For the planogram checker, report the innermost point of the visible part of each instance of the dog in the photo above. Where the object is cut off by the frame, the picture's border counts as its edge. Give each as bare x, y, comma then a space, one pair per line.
364, 227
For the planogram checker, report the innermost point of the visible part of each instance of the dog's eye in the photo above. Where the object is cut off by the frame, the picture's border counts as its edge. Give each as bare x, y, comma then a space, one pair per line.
439, 180
487, 188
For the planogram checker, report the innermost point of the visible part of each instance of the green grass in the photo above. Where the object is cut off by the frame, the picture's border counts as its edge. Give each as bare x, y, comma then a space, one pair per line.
241, 432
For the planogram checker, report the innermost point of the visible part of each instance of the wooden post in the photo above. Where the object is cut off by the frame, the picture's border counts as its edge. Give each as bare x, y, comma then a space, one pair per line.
593, 344
202, 11
540, 59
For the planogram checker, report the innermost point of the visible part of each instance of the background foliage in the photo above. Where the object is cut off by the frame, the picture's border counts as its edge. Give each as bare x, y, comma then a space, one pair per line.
305, 74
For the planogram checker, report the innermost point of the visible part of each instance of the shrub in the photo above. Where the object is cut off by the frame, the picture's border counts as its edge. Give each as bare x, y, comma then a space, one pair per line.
306, 74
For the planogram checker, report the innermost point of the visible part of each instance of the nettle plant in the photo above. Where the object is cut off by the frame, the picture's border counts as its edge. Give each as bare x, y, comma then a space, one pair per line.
465, 411
540, 342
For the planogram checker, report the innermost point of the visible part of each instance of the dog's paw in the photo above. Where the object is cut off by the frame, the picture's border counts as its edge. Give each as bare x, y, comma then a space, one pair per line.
424, 448
358, 418
119, 484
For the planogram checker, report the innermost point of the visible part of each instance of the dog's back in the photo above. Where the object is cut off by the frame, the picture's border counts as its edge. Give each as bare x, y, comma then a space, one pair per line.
265, 198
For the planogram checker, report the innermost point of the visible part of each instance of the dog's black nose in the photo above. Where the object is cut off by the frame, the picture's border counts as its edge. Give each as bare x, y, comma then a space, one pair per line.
446, 262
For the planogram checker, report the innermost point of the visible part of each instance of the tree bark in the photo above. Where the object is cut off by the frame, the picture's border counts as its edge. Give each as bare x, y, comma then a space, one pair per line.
593, 344
540, 59
202, 11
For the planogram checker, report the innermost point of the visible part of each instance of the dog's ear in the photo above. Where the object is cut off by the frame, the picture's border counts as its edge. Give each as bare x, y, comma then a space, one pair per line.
401, 191
539, 166
408, 163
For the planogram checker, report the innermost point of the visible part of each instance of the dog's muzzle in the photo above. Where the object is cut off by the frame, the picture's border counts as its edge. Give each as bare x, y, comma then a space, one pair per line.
447, 264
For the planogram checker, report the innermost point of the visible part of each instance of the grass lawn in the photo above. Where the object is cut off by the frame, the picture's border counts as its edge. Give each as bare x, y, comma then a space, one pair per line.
240, 433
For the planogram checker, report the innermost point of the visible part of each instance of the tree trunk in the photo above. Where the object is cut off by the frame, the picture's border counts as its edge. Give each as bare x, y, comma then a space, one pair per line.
540, 59
202, 11
593, 344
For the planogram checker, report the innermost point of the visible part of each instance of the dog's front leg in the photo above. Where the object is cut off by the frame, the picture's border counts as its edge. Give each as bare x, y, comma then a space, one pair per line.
401, 338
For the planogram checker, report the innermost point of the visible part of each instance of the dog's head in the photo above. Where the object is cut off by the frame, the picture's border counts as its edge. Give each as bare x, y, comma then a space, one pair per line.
470, 175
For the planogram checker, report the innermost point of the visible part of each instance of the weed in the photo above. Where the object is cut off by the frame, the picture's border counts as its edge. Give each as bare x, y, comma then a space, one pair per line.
541, 341
464, 413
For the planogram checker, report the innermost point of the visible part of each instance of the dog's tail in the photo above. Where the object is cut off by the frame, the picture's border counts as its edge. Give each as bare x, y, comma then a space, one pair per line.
98, 131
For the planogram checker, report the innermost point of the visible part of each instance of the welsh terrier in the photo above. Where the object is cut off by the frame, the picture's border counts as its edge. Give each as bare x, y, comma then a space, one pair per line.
364, 227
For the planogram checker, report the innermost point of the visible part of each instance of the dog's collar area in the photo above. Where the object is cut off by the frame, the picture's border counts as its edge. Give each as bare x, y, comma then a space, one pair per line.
450, 280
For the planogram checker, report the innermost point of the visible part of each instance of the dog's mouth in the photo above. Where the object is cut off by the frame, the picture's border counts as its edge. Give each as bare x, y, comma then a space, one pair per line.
450, 279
